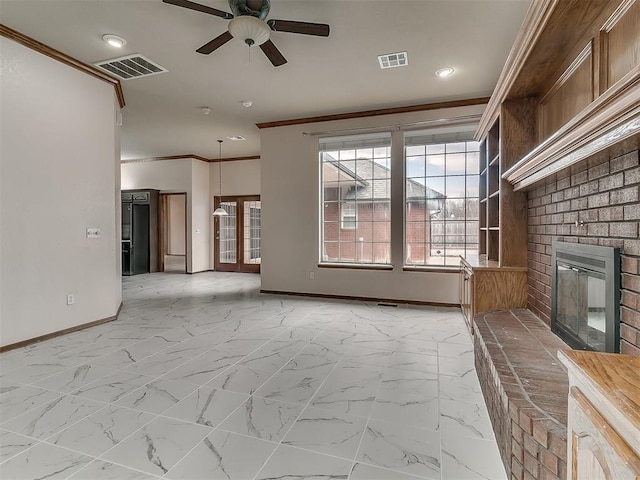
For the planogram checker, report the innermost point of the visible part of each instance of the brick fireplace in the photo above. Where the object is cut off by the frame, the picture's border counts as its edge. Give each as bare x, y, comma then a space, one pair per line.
598, 205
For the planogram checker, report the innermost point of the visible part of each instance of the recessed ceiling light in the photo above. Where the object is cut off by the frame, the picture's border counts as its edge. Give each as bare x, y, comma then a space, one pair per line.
205, 110
391, 60
444, 72
114, 40
237, 138
247, 103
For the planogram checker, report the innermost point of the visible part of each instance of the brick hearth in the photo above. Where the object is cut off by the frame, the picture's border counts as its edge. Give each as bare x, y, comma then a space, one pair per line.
526, 390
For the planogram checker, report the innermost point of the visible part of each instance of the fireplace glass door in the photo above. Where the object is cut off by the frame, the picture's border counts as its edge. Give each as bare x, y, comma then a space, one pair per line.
581, 306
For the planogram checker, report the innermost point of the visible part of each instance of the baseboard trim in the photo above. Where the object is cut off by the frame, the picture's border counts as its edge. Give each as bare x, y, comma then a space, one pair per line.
59, 333
362, 299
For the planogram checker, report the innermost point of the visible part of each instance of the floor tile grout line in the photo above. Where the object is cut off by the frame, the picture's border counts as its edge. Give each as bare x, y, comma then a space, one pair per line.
238, 407
298, 417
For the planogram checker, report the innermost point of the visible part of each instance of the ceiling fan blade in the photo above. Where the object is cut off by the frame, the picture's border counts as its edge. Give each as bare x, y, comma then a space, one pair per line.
199, 8
273, 54
217, 42
305, 28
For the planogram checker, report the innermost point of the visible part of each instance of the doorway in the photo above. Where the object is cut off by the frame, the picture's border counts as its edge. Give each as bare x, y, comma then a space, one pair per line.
173, 232
237, 235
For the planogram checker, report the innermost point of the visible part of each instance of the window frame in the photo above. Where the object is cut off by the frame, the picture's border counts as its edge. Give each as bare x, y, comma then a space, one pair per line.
426, 244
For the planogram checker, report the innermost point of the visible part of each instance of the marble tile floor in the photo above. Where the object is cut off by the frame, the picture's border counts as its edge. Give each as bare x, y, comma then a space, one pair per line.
203, 377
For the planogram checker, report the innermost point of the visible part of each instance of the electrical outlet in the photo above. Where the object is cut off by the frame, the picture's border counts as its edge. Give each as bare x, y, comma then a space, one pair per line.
70, 299
93, 233
312, 275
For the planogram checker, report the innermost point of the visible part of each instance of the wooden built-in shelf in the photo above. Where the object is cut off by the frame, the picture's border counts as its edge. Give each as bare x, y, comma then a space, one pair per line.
494, 194
483, 172
494, 229
495, 161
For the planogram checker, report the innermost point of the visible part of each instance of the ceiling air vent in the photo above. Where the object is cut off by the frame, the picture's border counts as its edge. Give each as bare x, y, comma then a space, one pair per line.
130, 67
237, 138
391, 60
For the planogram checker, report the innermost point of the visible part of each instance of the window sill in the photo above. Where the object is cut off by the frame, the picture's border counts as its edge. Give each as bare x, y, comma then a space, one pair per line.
432, 269
355, 266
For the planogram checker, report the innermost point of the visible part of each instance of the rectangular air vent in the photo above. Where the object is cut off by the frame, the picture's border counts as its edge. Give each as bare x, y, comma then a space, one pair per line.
130, 67
237, 138
391, 60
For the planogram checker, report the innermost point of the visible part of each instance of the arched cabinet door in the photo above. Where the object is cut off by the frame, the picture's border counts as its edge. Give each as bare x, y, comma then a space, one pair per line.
596, 450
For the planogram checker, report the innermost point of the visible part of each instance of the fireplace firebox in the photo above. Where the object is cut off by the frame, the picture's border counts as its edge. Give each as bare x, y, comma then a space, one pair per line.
585, 289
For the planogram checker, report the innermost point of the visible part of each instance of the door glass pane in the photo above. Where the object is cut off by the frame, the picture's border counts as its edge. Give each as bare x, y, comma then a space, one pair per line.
251, 235
227, 242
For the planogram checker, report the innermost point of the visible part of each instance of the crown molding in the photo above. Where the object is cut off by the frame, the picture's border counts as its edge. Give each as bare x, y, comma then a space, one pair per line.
63, 58
189, 156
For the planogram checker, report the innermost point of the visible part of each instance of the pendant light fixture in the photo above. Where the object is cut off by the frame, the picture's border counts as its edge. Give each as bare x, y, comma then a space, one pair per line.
220, 212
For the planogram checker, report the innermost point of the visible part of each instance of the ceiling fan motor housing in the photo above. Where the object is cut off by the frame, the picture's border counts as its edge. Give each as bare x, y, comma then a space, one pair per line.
253, 8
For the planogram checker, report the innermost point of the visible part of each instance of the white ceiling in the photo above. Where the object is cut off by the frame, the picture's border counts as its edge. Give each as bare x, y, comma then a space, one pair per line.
331, 75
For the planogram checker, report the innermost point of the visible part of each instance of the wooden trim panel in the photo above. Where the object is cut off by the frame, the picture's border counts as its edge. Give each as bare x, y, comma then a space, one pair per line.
234, 159
392, 302
187, 156
63, 58
622, 41
569, 96
168, 157
59, 333
374, 113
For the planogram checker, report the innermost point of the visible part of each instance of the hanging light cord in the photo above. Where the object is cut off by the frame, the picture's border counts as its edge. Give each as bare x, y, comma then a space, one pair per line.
220, 169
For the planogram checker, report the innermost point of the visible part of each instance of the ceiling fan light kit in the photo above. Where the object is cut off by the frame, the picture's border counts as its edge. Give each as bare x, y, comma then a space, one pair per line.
248, 22
249, 29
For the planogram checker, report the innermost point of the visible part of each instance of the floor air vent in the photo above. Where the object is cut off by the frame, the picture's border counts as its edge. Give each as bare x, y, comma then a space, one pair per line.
130, 67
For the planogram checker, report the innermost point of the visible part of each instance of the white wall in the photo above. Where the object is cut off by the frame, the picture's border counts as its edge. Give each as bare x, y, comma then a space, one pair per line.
290, 219
200, 217
240, 177
176, 224
59, 156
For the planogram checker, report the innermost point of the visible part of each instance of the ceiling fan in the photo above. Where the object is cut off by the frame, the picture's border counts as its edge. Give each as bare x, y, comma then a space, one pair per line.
249, 23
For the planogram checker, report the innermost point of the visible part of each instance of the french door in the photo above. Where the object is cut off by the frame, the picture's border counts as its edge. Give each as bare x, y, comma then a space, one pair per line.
237, 235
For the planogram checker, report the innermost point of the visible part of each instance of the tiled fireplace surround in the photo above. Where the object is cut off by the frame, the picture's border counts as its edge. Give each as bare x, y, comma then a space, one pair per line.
527, 397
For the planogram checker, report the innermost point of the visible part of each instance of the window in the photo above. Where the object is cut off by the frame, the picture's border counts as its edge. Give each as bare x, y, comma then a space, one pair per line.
349, 215
355, 176
441, 199
252, 225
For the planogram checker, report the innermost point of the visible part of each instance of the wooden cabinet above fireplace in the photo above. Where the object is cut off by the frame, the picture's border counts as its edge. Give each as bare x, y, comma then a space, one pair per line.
575, 73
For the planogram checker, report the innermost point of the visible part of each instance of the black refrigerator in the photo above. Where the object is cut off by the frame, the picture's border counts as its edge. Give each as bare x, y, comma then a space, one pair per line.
139, 231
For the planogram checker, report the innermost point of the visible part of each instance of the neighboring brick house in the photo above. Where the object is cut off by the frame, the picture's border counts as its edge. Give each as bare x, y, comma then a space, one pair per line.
357, 220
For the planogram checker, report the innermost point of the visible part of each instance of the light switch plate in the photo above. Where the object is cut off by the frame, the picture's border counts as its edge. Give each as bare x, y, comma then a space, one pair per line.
93, 233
